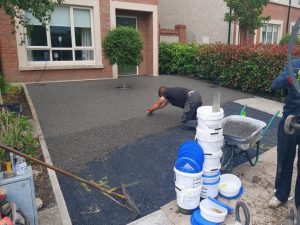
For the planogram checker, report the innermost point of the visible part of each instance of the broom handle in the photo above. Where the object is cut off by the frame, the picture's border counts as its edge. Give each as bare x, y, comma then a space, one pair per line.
59, 170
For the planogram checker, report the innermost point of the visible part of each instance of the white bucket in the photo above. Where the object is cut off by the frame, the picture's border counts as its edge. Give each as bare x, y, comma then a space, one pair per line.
187, 180
211, 179
208, 134
212, 172
188, 199
212, 120
212, 211
210, 189
230, 185
210, 145
212, 160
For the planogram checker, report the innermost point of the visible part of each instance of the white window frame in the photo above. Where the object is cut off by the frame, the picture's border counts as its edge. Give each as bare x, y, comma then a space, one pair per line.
93, 5
291, 27
273, 22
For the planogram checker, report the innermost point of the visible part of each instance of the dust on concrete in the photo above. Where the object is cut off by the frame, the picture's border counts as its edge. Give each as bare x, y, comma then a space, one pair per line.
258, 183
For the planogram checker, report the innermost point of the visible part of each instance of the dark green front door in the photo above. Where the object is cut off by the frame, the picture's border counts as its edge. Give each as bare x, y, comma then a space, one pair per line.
130, 22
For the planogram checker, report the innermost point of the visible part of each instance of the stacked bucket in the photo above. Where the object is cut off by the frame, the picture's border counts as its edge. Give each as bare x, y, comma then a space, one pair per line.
209, 135
188, 175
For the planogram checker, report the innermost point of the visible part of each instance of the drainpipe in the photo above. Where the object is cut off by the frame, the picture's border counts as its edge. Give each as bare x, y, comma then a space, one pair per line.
288, 18
229, 27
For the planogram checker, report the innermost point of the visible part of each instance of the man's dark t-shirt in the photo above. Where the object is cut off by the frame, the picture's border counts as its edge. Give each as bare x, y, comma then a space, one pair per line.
177, 96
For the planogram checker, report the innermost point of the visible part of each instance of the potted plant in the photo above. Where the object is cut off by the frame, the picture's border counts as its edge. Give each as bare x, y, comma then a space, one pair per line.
123, 46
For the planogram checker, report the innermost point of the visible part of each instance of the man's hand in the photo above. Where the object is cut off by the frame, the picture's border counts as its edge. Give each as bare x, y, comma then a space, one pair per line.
150, 112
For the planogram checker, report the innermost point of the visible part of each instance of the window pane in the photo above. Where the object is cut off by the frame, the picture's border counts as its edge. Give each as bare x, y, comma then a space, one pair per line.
264, 34
83, 36
275, 33
60, 37
269, 34
36, 36
32, 19
82, 18
60, 17
62, 55
84, 55
38, 55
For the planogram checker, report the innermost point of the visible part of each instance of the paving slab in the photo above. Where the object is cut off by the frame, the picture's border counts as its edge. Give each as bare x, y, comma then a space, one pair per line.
49, 217
258, 184
156, 218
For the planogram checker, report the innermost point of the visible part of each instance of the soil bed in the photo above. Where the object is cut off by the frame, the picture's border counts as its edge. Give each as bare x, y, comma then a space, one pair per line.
43, 188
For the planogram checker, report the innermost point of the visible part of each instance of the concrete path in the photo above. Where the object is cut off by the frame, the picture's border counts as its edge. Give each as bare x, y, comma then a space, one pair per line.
258, 188
102, 133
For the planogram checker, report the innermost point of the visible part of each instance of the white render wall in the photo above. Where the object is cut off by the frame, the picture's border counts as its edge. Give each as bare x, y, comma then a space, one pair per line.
204, 19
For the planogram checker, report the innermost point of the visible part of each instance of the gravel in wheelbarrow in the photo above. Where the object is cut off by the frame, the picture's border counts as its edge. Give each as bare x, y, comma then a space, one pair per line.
239, 129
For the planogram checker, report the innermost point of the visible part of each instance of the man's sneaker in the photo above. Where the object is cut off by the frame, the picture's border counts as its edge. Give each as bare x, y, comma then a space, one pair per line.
274, 203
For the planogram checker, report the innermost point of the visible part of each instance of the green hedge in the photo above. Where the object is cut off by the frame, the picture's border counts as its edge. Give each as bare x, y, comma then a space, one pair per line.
176, 58
247, 69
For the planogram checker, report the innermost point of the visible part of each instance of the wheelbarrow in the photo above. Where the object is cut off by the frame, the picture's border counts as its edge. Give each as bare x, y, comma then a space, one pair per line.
239, 144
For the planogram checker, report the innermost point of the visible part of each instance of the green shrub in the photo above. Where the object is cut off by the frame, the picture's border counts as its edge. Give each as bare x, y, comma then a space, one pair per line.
176, 58
2, 83
249, 69
123, 46
17, 132
285, 39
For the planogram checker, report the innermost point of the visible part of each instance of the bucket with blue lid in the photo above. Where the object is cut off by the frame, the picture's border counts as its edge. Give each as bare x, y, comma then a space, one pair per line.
188, 166
188, 175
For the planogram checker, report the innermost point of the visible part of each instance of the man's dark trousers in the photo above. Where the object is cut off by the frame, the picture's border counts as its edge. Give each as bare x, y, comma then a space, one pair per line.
286, 151
189, 116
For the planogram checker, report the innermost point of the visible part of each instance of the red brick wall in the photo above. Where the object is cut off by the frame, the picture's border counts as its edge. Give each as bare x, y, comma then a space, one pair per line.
280, 12
277, 12
9, 56
10, 64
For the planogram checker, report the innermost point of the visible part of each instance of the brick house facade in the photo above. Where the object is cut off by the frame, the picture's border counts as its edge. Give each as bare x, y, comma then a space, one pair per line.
74, 51
275, 29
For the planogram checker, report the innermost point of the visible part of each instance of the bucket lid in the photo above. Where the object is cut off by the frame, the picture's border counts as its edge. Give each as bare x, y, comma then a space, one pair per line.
197, 219
192, 150
187, 165
222, 204
206, 111
241, 192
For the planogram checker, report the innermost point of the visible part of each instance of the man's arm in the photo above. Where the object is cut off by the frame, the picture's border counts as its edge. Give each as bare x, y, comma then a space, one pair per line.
159, 104
282, 81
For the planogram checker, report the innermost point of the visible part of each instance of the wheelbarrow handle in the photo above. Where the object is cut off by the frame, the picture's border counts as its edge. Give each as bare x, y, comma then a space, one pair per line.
269, 124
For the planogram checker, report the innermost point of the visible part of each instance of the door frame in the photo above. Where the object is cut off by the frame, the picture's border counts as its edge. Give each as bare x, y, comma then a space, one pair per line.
136, 27
153, 9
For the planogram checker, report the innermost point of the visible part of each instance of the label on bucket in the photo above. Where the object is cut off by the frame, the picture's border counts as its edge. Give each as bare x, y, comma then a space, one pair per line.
188, 167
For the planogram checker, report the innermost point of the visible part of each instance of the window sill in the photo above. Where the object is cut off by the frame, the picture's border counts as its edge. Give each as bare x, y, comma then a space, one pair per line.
60, 67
